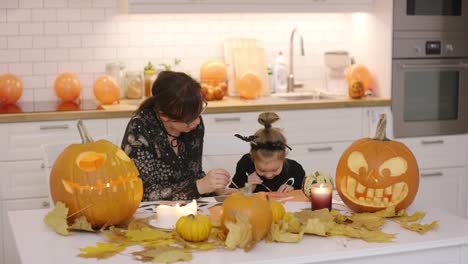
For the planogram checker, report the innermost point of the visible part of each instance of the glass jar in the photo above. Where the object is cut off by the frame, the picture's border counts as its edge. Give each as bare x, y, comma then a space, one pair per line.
133, 85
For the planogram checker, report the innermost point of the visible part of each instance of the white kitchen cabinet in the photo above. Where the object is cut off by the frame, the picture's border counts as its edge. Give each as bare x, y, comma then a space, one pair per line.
370, 119
443, 188
10, 253
116, 129
22, 179
214, 6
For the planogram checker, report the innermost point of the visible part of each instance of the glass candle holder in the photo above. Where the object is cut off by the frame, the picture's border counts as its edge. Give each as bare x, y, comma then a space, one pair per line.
321, 196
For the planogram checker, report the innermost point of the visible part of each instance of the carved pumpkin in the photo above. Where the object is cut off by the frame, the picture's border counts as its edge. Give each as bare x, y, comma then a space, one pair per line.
356, 89
194, 228
374, 173
97, 180
361, 73
253, 206
277, 210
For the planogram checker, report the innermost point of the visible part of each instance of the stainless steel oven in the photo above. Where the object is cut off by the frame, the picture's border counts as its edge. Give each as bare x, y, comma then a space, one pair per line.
430, 14
429, 83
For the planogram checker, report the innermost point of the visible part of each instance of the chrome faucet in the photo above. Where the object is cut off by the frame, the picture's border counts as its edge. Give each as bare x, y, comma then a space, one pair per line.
291, 84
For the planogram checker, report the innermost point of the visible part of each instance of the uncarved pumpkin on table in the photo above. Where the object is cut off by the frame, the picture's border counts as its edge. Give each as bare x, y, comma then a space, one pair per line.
375, 173
97, 180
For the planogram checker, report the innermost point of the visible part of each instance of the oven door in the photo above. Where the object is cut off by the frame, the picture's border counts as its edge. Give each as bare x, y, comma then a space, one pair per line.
429, 15
429, 97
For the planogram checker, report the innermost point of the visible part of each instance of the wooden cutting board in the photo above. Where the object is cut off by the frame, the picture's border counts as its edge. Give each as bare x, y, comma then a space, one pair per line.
242, 55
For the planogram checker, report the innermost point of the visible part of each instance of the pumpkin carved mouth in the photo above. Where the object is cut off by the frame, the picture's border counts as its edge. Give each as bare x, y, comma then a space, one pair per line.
373, 197
124, 182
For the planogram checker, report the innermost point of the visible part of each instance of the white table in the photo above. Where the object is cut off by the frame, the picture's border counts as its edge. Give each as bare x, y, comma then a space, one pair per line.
37, 243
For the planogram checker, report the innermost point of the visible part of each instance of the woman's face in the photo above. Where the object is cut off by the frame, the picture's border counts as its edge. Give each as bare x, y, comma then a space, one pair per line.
183, 127
268, 167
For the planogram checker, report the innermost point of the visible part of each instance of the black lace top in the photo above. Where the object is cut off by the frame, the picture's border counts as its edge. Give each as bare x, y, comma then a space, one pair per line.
165, 175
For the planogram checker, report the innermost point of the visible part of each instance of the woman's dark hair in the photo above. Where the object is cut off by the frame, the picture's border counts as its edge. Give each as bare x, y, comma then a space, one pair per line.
176, 95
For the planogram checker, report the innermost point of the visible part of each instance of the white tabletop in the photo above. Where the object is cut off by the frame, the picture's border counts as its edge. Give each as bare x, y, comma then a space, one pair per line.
37, 243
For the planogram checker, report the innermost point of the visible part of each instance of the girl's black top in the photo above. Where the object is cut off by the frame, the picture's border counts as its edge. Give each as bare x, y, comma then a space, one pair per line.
291, 168
165, 175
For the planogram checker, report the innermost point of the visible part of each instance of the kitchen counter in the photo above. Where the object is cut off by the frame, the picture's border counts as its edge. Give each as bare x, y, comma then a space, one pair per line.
49, 111
36, 243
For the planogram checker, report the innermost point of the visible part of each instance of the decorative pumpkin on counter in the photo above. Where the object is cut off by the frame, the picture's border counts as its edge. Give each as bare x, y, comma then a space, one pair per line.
67, 87
253, 206
315, 177
11, 88
277, 210
97, 180
361, 73
374, 173
356, 89
194, 228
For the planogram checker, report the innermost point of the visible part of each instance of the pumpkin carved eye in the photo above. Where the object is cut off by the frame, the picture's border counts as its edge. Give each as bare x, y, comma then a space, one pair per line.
356, 161
397, 166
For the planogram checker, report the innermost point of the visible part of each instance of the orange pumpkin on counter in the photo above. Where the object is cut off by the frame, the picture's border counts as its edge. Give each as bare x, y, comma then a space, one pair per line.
97, 180
374, 173
360, 73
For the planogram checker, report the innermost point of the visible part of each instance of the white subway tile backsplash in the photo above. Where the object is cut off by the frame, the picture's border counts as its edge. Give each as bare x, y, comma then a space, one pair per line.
129, 53
34, 81
93, 41
81, 54
20, 68
105, 28
3, 17
69, 41
32, 55
9, 29
3, 42
31, 28
79, 4
121, 40
21, 42
44, 94
9, 55
39, 15
18, 15
93, 14
104, 3
45, 68
105, 53
56, 3
70, 14
80, 27
31, 3
75, 67
45, 42
9, 3
3, 68
56, 55
27, 95
56, 28
91, 67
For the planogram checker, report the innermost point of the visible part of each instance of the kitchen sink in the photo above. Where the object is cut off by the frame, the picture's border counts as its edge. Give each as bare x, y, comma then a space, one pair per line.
304, 95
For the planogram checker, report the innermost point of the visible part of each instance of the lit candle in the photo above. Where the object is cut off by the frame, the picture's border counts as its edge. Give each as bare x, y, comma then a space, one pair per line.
166, 216
321, 196
190, 208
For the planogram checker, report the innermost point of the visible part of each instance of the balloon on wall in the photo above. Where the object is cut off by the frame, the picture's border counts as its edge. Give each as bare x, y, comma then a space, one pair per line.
106, 89
67, 86
11, 88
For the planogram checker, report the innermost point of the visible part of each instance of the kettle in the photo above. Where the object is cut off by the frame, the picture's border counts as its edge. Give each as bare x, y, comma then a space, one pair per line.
116, 71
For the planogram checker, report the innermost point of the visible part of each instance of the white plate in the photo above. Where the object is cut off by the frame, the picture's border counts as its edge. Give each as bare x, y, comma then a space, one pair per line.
154, 223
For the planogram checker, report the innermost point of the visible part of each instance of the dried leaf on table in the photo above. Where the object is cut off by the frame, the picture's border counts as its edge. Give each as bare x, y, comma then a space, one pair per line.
137, 223
101, 251
294, 225
240, 233
420, 228
279, 233
366, 235
204, 245
147, 234
81, 223
315, 226
369, 221
323, 215
163, 254
410, 218
57, 219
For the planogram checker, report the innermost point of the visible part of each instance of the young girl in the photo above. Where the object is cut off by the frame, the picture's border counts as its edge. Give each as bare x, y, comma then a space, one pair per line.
266, 166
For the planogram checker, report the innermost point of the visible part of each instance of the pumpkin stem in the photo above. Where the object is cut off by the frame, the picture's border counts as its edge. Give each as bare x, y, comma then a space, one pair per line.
248, 189
381, 127
84, 134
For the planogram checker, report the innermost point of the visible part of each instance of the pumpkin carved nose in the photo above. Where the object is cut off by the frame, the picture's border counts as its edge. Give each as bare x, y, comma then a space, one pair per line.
372, 175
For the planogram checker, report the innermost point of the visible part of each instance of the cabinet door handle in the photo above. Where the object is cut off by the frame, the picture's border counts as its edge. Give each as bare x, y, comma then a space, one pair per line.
45, 204
433, 174
227, 119
319, 149
42, 165
50, 127
430, 142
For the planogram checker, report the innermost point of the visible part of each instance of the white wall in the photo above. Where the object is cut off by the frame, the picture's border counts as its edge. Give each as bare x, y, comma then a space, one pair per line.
41, 38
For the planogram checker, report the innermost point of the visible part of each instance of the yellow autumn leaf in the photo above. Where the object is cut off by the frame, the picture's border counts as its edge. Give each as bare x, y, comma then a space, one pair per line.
410, 218
366, 235
147, 234
57, 219
420, 228
279, 233
81, 223
101, 250
240, 233
163, 254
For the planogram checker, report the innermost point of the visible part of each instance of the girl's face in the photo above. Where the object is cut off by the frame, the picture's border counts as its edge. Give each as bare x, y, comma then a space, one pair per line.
268, 167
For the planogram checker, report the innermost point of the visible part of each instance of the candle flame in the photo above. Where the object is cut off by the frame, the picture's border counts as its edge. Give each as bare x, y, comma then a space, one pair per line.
321, 185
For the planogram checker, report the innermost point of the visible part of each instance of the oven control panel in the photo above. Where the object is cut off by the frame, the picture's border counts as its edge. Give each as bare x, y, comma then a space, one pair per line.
429, 48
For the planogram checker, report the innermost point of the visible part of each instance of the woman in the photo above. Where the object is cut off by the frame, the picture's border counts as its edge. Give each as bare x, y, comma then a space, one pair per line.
165, 140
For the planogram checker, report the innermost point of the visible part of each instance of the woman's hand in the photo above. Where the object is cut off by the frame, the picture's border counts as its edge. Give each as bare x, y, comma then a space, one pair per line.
215, 179
254, 179
285, 188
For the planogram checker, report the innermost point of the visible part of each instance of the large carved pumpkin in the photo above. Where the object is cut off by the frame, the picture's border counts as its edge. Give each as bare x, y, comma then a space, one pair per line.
374, 173
97, 180
253, 206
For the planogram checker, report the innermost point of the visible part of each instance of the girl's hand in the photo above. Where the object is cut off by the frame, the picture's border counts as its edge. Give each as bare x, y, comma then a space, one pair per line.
254, 179
285, 188
215, 179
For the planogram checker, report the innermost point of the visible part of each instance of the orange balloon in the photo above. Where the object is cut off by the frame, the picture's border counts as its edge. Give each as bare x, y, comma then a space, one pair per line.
67, 86
106, 89
360, 73
249, 85
68, 106
11, 88
10, 109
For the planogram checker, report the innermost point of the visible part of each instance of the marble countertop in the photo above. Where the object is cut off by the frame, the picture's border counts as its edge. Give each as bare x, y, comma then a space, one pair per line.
89, 109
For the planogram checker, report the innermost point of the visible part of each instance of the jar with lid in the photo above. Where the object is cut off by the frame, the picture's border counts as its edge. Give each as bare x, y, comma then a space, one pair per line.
133, 85
116, 71
150, 77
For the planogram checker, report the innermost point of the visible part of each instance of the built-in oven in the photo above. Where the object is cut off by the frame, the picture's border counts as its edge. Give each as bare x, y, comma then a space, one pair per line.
429, 84
430, 15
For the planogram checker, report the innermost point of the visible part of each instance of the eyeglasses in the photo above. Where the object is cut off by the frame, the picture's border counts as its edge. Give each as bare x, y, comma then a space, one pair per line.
204, 106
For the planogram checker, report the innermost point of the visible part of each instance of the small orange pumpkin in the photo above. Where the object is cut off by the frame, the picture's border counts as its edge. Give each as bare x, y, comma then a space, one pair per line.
253, 206
361, 73
97, 180
374, 173
356, 89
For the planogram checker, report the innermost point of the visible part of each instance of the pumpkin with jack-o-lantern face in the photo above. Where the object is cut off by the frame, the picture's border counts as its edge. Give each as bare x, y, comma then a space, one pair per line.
97, 180
373, 174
